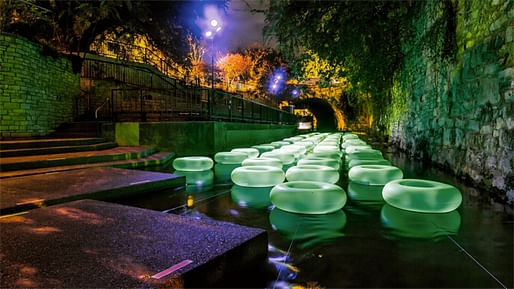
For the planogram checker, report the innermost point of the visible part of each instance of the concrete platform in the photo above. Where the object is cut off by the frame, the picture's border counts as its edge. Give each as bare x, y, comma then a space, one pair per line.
29, 192
160, 158
48, 142
51, 160
91, 244
5, 153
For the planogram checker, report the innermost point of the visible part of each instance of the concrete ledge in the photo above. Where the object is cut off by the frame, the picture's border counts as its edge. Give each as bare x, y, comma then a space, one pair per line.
91, 244
199, 137
29, 192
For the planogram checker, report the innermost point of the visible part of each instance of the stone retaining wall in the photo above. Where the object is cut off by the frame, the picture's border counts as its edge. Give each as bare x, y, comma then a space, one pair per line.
459, 113
38, 88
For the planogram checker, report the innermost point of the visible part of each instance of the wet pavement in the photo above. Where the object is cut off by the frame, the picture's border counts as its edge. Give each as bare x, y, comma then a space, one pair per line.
92, 244
367, 244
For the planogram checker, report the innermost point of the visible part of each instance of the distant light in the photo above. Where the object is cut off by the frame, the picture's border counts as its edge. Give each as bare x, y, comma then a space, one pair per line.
295, 92
279, 76
218, 29
208, 33
214, 22
274, 86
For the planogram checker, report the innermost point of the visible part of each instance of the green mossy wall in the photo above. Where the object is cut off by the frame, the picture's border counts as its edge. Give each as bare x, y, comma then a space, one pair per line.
37, 91
458, 110
199, 137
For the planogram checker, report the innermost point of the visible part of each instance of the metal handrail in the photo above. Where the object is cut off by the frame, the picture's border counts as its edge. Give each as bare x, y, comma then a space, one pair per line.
107, 100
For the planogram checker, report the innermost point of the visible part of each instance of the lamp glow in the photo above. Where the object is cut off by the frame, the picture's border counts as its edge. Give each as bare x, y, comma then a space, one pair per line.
214, 22
208, 33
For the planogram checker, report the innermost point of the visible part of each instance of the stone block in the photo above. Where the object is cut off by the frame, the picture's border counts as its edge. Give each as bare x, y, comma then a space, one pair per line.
486, 130
473, 125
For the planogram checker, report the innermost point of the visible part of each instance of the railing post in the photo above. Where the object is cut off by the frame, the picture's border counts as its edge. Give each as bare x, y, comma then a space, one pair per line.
143, 115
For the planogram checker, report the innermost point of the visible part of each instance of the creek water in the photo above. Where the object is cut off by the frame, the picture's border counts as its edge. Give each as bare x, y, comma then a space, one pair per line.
367, 243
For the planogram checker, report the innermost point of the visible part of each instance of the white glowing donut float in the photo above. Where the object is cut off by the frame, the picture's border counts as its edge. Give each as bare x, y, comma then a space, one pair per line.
257, 176
334, 149
264, 148
251, 152
320, 162
299, 150
350, 136
273, 162
357, 162
364, 155
308, 197
313, 173
357, 148
374, 174
230, 158
326, 154
281, 143
284, 156
422, 196
191, 164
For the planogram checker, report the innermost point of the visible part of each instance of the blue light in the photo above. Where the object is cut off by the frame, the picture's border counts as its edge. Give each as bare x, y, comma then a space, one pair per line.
277, 81
295, 92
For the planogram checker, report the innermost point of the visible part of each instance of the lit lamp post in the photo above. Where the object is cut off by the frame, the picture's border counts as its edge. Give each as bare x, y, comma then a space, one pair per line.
214, 28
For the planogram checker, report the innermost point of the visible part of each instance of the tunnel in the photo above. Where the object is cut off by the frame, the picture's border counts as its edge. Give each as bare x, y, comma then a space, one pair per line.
322, 110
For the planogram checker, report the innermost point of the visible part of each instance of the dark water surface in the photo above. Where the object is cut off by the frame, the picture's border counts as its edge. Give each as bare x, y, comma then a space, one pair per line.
367, 244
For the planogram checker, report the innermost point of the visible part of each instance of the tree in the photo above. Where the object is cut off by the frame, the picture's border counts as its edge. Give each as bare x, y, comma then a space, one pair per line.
364, 37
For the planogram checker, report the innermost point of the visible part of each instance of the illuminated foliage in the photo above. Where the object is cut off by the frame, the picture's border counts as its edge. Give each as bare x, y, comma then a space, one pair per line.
234, 66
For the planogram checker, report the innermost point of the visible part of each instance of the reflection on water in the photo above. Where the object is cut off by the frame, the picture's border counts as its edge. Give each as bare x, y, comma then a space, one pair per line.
360, 192
197, 181
308, 230
406, 224
222, 173
257, 198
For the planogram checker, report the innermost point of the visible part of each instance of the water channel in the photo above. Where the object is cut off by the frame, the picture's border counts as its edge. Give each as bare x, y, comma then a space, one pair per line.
368, 243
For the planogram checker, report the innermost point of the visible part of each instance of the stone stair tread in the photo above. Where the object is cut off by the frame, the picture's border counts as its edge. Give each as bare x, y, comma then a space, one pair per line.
49, 142
159, 158
56, 149
50, 160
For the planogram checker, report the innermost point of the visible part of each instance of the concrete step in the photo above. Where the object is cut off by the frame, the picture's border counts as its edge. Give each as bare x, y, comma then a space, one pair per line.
49, 142
30, 192
56, 150
73, 158
157, 159
92, 244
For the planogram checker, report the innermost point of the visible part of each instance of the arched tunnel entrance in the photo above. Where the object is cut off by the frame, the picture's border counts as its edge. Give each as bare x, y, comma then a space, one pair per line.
322, 110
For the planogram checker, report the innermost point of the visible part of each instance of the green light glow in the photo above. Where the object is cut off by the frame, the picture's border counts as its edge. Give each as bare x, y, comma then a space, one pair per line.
313, 173
264, 148
193, 163
251, 152
308, 229
257, 176
230, 157
308, 197
222, 172
198, 178
285, 157
422, 196
257, 198
357, 162
405, 224
320, 162
360, 192
374, 174
263, 162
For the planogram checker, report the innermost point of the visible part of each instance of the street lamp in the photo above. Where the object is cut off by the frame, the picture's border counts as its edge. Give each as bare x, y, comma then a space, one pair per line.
214, 28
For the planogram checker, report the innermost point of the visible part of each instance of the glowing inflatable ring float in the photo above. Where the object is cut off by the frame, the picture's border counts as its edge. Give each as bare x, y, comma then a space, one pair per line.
230, 158
308, 197
356, 162
264, 148
422, 196
350, 136
191, 164
251, 152
327, 154
357, 148
257, 176
272, 162
313, 173
320, 162
285, 156
374, 174
281, 143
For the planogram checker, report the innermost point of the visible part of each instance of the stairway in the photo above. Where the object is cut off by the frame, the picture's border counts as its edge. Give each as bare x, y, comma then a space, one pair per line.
38, 156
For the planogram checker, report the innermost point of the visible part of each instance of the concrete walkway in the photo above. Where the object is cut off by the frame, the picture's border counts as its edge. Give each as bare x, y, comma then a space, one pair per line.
91, 244
29, 192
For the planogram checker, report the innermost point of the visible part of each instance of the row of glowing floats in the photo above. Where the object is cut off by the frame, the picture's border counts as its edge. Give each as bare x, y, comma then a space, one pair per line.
311, 164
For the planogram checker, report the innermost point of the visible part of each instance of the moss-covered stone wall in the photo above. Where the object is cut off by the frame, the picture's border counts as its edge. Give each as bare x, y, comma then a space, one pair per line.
38, 88
453, 102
